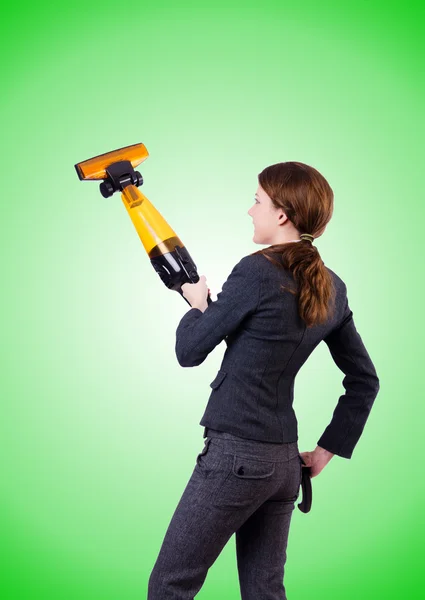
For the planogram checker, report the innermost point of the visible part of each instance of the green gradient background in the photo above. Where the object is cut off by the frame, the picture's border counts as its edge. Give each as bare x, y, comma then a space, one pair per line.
100, 425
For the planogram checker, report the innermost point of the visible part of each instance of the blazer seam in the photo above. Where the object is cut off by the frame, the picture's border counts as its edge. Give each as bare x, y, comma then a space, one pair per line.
260, 274
281, 375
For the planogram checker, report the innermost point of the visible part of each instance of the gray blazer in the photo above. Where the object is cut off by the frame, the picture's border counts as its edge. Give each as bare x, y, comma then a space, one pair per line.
267, 343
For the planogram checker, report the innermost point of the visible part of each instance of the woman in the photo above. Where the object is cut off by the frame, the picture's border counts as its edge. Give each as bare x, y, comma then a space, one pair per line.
276, 306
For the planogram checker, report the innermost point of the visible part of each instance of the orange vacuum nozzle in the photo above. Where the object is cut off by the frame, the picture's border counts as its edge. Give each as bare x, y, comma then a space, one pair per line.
95, 168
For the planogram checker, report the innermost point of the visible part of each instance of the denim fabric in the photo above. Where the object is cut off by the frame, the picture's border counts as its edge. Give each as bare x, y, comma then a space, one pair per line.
240, 486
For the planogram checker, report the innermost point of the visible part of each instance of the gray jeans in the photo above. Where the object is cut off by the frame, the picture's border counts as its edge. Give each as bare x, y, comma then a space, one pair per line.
238, 486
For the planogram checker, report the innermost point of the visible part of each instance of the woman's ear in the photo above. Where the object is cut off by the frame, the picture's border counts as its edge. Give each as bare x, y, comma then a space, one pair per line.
282, 218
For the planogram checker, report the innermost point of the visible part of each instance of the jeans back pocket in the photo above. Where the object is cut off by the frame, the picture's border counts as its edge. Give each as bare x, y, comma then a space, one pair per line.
247, 480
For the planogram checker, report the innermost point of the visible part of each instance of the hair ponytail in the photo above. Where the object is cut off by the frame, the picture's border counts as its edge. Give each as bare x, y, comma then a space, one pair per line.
307, 200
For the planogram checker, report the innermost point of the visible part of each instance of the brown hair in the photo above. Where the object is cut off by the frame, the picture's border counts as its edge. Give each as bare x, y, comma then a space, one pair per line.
307, 200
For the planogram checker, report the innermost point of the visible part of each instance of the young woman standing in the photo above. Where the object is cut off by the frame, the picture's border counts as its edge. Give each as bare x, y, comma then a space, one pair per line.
275, 307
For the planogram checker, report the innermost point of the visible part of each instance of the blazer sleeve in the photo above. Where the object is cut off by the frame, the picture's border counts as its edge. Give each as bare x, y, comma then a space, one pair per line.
361, 385
198, 333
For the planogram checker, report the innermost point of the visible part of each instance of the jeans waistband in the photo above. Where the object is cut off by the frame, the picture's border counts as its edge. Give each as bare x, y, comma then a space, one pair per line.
234, 443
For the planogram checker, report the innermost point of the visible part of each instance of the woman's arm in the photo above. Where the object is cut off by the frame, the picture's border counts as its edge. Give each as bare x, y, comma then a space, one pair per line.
199, 332
361, 385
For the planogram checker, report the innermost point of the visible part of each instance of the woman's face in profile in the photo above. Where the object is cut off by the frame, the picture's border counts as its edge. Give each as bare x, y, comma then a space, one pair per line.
264, 217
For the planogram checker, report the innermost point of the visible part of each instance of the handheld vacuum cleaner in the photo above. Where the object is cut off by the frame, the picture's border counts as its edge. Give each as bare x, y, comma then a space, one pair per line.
168, 255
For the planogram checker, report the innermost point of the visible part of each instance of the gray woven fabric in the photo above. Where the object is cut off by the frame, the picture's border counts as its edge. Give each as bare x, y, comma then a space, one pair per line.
267, 343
